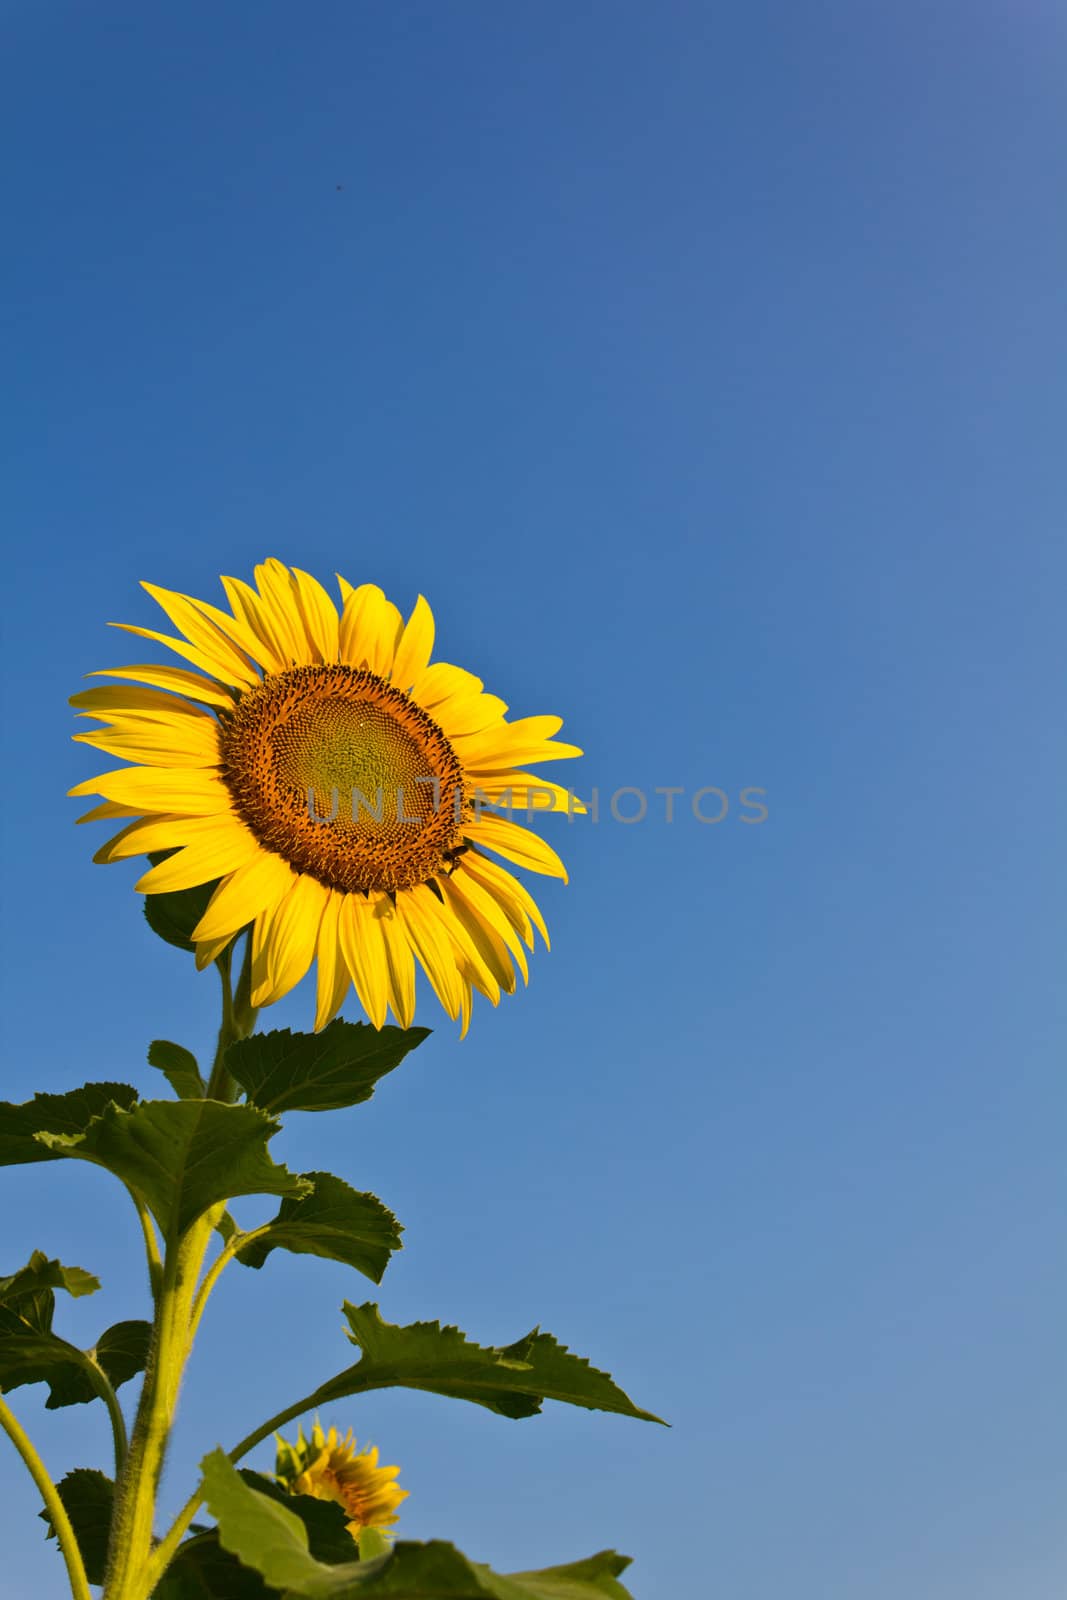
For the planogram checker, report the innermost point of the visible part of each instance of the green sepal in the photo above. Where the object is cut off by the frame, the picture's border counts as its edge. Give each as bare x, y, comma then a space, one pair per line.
266, 1534
173, 916
183, 1156
334, 1221
284, 1071
512, 1380
88, 1497
69, 1114
180, 1068
372, 1544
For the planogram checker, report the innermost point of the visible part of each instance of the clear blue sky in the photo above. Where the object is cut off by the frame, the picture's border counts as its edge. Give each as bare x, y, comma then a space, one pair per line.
704, 366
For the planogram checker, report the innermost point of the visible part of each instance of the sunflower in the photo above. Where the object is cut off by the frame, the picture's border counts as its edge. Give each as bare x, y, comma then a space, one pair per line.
342, 792
330, 1468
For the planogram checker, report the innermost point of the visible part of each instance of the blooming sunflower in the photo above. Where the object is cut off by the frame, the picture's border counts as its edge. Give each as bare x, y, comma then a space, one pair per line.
330, 1468
333, 783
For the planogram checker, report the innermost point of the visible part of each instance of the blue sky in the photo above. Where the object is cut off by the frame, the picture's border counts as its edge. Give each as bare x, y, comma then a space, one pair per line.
704, 366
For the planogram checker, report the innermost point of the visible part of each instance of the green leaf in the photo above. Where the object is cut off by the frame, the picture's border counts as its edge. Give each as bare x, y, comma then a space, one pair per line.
121, 1353
325, 1071
41, 1273
332, 1221
267, 1535
180, 1068
69, 1114
87, 1498
174, 916
325, 1521
203, 1570
512, 1380
29, 1351
183, 1156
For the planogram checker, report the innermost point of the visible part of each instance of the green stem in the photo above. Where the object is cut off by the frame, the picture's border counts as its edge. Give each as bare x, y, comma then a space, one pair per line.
131, 1573
105, 1389
215, 1271
151, 1244
164, 1551
68, 1544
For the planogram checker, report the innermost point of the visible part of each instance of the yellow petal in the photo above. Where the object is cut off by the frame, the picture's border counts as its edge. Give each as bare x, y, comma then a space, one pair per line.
523, 791
180, 743
516, 844
216, 664
517, 902
244, 894
207, 953
332, 973
106, 811
507, 744
416, 645
152, 833
442, 681
492, 914
150, 705
202, 634
364, 953
189, 792
370, 630
190, 684
238, 628
247, 605
291, 943
321, 622
399, 962
421, 913
218, 852
465, 714
490, 957
277, 593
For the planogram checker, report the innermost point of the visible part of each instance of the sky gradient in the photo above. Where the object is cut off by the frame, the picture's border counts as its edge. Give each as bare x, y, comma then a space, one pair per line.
704, 367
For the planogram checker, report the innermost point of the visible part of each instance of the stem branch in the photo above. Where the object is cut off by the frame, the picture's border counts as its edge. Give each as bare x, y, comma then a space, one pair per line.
68, 1544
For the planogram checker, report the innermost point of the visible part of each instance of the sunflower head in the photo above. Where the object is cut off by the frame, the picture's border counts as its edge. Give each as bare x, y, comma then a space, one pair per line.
330, 1468
340, 789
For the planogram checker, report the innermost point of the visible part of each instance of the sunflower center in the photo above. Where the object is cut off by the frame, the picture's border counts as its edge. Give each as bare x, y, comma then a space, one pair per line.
345, 777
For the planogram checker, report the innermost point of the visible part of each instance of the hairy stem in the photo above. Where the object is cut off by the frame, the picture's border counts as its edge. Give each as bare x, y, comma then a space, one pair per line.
68, 1544
151, 1244
215, 1271
164, 1551
132, 1574
105, 1389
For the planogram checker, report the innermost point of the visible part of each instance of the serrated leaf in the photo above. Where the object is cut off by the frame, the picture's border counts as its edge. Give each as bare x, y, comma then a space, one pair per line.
284, 1071
87, 1498
334, 1221
180, 1068
121, 1353
512, 1380
267, 1535
41, 1273
174, 916
29, 1351
69, 1114
184, 1156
